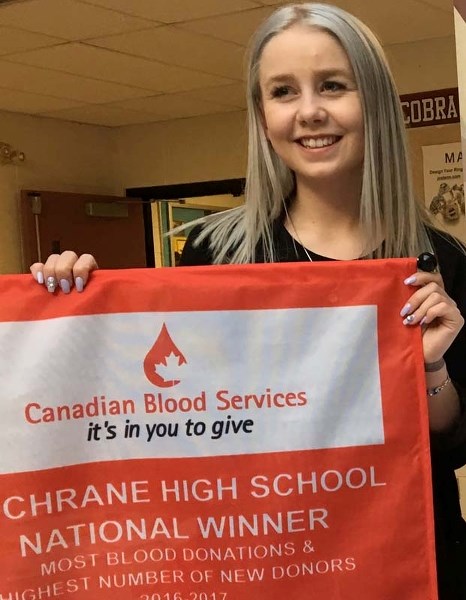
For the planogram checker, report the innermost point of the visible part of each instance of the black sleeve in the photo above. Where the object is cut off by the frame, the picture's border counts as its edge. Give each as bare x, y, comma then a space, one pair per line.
452, 262
196, 254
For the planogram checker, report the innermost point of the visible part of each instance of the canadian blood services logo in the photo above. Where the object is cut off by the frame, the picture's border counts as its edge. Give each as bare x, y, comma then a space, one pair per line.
163, 361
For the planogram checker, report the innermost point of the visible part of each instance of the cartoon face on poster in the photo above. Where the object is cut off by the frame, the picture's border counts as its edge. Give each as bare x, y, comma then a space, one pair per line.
444, 187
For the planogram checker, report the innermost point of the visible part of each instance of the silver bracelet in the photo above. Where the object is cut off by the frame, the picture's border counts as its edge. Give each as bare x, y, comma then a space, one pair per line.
434, 366
435, 390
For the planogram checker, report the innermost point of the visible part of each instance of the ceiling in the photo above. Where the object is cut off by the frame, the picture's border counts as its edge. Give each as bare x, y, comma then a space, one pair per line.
122, 62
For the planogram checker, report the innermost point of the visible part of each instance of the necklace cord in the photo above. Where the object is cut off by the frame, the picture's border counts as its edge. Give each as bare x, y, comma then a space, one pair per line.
298, 239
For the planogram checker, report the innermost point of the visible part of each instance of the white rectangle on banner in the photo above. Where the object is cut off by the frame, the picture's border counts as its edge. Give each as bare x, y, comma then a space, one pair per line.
233, 382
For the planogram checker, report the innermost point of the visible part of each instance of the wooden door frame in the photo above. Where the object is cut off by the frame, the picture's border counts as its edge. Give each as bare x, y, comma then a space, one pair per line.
178, 191
235, 187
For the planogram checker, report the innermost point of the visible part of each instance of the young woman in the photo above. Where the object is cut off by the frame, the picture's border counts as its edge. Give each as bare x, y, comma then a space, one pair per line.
328, 179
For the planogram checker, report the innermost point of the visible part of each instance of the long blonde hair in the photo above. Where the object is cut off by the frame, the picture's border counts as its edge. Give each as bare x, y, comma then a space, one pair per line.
388, 208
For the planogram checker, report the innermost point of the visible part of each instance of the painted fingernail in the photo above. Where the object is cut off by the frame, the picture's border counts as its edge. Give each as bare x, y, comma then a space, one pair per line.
405, 310
79, 282
40, 277
410, 280
65, 286
423, 321
409, 320
51, 284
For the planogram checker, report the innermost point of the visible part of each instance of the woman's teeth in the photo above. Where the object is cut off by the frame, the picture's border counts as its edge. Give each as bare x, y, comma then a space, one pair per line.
318, 142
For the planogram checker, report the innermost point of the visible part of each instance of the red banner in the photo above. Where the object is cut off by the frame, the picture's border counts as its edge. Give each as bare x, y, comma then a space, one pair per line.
215, 433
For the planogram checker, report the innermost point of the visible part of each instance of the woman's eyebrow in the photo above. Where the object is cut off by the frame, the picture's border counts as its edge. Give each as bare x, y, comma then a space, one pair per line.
279, 78
324, 73
334, 72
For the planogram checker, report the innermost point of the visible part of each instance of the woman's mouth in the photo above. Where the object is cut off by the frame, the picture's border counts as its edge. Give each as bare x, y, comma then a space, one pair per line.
319, 142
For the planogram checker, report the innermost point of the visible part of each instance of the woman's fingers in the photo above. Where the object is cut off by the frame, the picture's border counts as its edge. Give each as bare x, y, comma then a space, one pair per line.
414, 311
37, 271
82, 268
64, 271
432, 308
425, 284
421, 278
58, 271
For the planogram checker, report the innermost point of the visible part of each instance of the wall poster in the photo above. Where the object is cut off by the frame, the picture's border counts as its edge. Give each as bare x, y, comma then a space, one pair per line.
444, 187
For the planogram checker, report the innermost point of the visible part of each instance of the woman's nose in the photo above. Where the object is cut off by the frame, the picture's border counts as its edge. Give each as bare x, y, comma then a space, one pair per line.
311, 108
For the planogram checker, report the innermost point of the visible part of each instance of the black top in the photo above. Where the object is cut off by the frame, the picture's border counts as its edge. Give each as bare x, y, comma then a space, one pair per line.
448, 450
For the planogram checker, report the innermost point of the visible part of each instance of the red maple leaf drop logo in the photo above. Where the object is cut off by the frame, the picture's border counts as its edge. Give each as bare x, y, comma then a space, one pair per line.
163, 356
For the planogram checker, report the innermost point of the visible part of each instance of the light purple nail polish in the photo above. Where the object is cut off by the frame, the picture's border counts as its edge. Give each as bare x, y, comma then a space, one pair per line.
422, 321
79, 282
410, 280
65, 286
40, 277
405, 310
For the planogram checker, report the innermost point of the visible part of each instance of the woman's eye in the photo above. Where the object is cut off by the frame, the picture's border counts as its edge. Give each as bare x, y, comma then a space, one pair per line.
332, 86
280, 91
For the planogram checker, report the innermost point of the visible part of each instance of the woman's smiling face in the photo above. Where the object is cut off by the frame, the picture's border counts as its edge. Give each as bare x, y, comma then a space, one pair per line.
311, 106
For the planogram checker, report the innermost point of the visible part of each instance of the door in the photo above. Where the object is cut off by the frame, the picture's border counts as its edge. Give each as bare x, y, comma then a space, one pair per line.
167, 215
109, 227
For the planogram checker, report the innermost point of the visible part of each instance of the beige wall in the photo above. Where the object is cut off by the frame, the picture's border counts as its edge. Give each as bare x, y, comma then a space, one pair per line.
81, 158
59, 156
424, 65
184, 150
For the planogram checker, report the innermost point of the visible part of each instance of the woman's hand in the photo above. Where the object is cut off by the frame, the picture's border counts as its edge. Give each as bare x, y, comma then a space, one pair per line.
441, 321
432, 308
64, 270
